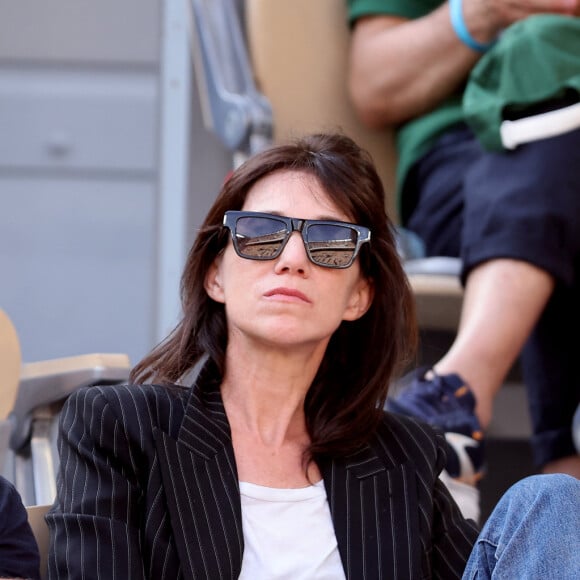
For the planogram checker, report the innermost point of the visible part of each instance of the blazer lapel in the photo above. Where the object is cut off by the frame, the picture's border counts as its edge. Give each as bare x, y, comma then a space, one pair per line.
201, 486
375, 513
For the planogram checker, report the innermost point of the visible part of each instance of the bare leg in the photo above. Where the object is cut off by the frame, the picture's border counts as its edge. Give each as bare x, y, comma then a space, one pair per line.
503, 301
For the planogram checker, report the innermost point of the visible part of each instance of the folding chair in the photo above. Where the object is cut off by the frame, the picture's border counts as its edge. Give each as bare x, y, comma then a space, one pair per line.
32, 397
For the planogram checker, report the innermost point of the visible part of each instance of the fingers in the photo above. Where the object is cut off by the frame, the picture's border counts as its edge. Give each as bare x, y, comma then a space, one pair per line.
486, 18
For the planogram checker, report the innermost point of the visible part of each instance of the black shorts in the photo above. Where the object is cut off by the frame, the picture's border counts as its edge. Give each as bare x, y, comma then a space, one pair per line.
522, 204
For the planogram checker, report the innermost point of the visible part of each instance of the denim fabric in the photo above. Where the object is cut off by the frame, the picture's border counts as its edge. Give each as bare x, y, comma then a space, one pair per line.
534, 532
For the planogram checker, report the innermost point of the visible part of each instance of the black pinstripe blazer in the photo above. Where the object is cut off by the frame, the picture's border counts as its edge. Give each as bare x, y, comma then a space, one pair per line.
148, 488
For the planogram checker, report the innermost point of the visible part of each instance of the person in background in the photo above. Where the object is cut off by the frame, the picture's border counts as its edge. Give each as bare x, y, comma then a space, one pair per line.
19, 557
511, 215
252, 442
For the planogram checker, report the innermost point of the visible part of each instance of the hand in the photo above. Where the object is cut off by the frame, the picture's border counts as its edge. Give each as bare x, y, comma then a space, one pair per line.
506, 12
486, 18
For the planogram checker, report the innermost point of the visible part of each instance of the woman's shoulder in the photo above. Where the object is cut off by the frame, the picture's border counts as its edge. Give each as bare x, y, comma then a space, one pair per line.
137, 393
405, 438
403, 423
131, 403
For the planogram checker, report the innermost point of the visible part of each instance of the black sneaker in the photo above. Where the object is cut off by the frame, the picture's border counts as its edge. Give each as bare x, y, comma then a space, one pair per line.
445, 402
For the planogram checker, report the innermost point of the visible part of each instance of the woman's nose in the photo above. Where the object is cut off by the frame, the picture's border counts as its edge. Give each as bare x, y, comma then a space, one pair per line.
293, 256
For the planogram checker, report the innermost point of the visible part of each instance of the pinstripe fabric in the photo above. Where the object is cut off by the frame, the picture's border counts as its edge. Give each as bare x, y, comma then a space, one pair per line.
148, 488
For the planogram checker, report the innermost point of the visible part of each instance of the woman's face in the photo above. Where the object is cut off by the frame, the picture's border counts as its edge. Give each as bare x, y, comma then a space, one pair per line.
288, 301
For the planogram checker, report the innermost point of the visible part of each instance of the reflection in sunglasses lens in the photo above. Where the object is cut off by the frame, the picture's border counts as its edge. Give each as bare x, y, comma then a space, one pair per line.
260, 237
331, 245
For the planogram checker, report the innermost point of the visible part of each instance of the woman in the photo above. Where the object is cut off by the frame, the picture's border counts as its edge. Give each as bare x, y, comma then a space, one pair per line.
279, 461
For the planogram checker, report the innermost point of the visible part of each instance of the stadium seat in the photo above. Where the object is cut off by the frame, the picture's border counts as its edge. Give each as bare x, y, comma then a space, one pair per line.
32, 396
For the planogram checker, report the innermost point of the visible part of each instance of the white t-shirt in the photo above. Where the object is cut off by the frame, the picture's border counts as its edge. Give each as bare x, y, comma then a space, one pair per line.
288, 534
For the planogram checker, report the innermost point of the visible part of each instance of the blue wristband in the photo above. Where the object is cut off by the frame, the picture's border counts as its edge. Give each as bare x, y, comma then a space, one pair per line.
456, 10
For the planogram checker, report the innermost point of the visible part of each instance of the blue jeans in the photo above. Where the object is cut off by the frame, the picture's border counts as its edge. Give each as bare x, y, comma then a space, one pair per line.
534, 532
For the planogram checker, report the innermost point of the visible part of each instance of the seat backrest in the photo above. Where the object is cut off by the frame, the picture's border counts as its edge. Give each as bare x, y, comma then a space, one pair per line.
299, 52
39, 527
10, 368
10, 365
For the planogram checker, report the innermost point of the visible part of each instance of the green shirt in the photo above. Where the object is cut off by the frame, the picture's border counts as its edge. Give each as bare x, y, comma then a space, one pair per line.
534, 61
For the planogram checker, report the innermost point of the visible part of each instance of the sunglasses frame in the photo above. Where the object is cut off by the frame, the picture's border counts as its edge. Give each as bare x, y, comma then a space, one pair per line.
231, 218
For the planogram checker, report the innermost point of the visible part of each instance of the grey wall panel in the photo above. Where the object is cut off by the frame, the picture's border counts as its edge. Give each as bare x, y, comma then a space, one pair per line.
83, 198
85, 31
77, 265
78, 119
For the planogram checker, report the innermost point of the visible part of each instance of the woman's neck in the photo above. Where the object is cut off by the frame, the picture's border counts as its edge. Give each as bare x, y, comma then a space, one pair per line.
263, 393
266, 397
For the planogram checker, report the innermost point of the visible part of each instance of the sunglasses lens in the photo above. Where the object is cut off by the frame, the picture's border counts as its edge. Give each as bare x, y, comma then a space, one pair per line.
331, 245
259, 238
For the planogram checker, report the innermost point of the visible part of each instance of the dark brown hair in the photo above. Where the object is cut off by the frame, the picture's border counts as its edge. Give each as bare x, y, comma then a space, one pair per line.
343, 405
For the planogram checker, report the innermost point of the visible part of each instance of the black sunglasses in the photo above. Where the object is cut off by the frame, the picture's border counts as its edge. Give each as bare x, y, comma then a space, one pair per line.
262, 236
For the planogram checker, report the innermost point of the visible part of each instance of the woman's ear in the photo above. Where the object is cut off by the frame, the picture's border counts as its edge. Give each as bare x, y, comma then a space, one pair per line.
360, 300
213, 282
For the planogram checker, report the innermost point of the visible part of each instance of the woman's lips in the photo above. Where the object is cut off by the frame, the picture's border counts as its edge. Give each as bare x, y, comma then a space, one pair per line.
287, 293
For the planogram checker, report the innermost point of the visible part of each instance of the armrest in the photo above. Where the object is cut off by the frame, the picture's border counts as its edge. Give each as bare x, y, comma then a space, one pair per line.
232, 107
434, 266
437, 290
46, 382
